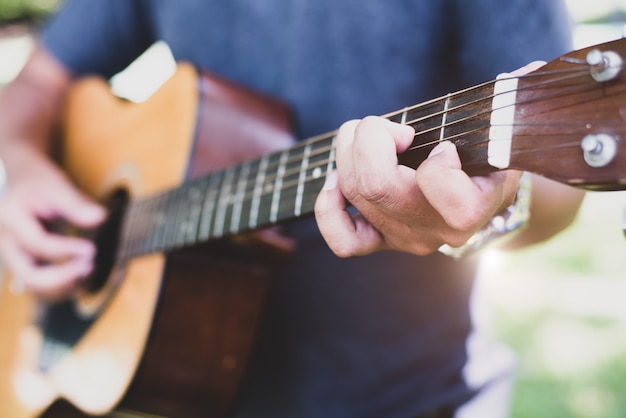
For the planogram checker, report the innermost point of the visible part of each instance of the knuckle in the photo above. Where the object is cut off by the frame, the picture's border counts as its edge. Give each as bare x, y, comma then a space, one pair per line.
465, 222
346, 130
374, 189
468, 219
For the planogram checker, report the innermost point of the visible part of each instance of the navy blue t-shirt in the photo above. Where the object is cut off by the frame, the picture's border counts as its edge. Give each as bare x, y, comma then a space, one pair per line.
376, 336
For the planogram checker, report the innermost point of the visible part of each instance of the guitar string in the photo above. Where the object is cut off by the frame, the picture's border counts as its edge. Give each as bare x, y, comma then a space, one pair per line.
574, 73
288, 185
323, 162
489, 111
439, 114
295, 157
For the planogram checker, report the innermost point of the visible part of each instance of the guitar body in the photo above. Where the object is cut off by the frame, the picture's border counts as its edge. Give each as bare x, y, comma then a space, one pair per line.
196, 309
170, 334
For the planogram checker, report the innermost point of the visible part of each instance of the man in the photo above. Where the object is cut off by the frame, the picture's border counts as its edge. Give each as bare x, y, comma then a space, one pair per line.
381, 335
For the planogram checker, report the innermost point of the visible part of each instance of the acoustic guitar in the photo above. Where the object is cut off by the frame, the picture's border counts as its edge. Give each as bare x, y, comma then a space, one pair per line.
190, 173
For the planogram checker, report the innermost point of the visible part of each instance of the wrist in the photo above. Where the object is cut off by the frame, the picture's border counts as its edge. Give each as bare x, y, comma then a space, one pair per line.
17, 155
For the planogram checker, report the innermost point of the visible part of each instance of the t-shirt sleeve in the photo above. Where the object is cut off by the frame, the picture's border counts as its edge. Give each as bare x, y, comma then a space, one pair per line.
98, 36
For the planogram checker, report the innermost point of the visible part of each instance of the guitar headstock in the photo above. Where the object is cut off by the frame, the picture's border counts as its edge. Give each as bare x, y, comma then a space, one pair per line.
570, 119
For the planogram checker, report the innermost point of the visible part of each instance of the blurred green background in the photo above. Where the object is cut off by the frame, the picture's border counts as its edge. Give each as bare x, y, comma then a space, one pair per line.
560, 305
25, 11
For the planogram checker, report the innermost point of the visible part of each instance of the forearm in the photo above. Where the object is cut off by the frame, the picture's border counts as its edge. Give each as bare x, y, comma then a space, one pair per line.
553, 207
29, 109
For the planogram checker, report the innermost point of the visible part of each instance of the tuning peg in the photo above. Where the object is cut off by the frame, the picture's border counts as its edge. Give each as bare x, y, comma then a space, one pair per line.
604, 66
599, 149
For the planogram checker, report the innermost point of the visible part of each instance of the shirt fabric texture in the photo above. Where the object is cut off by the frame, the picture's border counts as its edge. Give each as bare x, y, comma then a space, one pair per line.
376, 336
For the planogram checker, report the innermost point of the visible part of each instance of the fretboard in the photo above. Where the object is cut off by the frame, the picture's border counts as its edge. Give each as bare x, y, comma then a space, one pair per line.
262, 192
284, 185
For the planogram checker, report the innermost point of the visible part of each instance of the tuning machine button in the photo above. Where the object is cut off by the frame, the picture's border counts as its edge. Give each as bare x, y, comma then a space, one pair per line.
599, 149
604, 66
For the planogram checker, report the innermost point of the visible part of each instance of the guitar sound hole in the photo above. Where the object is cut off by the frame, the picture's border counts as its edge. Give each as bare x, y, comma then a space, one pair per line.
107, 239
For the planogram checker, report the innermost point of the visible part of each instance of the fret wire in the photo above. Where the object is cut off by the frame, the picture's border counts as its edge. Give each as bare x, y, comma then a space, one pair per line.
311, 155
136, 219
158, 241
172, 215
151, 205
301, 178
264, 188
474, 116
162, 219
145, 227
295, 155
125, 249
404, 116
193, 236
277, 186
491, 96
194, 209
328, 162
208, 207
138, 244
133, 238
444, 116
423, 105
223, 201
239, 198
572, 74
331, 158
181, 217
258, 192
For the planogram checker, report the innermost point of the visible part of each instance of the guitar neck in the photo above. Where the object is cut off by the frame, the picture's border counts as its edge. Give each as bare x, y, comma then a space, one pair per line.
255, 194
536, 122
284, 185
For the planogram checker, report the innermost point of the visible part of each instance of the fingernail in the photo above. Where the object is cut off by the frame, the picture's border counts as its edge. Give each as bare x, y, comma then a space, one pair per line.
441, 147
332, 179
